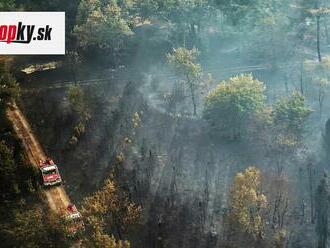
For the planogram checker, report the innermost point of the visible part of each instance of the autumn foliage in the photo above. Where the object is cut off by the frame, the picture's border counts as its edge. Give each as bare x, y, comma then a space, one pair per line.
247, 202
106, 211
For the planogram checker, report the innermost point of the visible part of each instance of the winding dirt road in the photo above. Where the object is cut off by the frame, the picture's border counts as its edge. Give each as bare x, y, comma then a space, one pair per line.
57, 198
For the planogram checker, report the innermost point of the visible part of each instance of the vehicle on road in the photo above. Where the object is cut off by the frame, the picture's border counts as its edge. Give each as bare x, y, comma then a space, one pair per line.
75, 221
49, 172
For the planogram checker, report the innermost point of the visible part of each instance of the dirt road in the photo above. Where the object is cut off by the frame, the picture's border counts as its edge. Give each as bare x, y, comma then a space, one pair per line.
57, 198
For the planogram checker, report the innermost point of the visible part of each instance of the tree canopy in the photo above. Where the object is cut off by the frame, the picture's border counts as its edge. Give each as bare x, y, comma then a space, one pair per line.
101, 24
106, 209
291, 113
234, 100
184, 62
247, 202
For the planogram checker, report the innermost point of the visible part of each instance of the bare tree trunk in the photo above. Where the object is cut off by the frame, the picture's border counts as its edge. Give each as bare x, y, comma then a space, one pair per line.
284, 212
192, 91
302, 195
73, 72
321, 99
301, 78
311, 190
286, 84
326, 31
318, 38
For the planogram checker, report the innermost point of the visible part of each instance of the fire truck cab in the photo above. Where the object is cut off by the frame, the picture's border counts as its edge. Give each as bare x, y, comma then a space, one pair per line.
49, 172
74, 218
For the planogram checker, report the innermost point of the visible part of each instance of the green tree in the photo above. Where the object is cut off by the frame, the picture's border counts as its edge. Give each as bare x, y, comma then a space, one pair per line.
322, 209
35, 227
318, 73
7, 170
102, 25
319, 12
70, 8
7, 5
269, 21
76, 97
9, 89
184, 62
16, 177
290, 114
232, 102
29, 229
79, 105
236, 10
185, 20
102, 240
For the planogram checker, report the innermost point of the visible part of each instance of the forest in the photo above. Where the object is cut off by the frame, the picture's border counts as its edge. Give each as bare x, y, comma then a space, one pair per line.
174, 124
